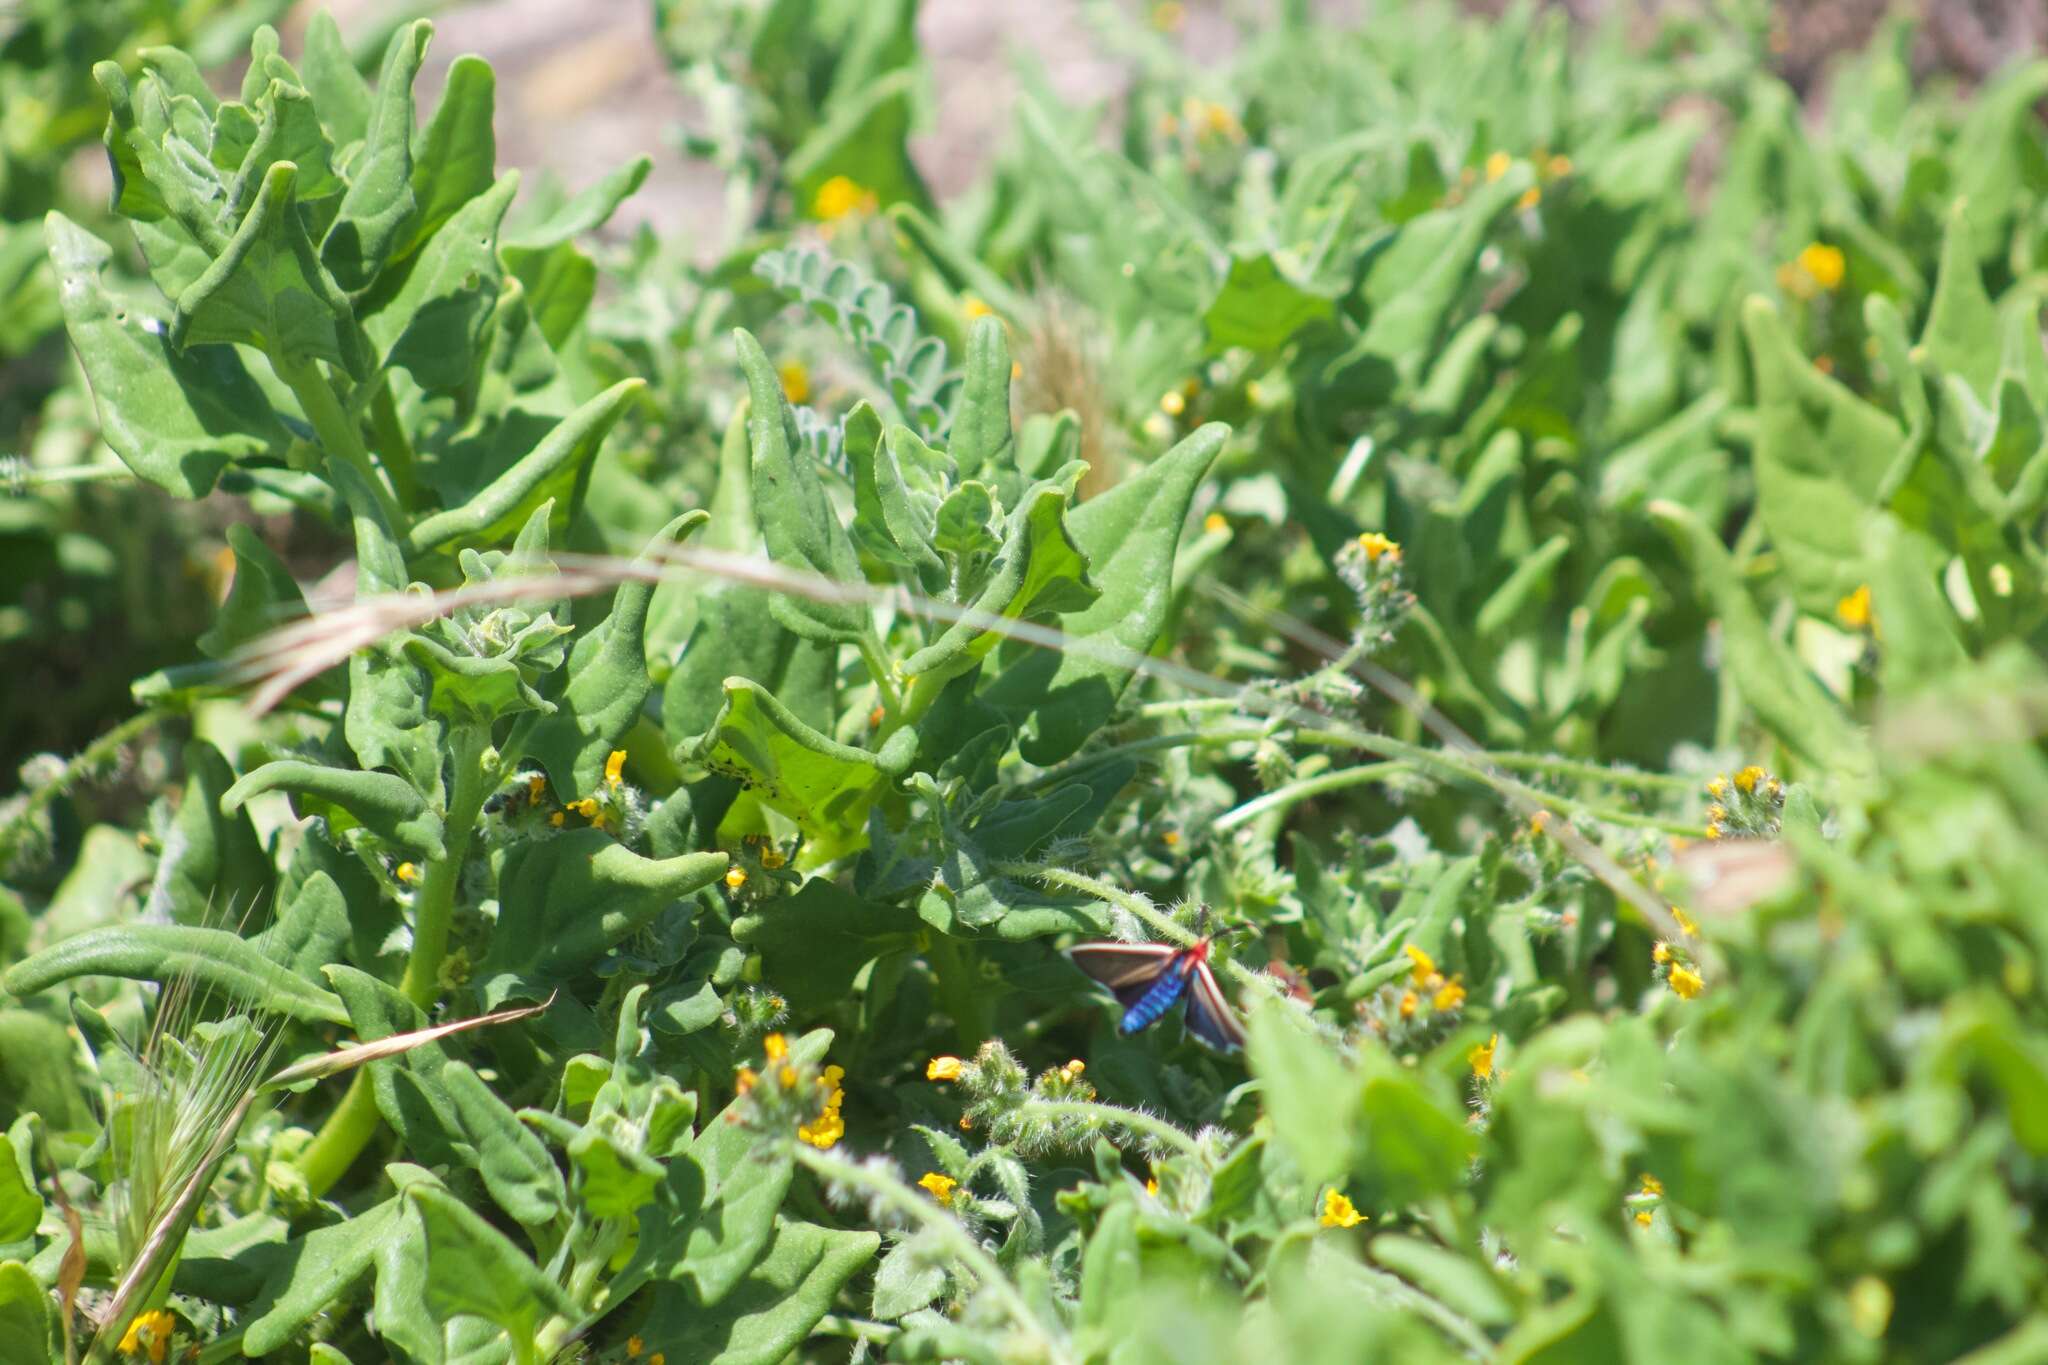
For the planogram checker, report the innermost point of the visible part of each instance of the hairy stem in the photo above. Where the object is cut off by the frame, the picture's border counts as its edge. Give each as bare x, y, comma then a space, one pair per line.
934, 1219
1130, 1120
77, 770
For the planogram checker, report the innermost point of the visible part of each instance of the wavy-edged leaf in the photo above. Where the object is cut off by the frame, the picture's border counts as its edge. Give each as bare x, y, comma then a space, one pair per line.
161, 952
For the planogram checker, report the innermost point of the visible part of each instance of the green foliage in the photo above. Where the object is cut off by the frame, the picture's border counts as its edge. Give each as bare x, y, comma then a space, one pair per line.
1563, 614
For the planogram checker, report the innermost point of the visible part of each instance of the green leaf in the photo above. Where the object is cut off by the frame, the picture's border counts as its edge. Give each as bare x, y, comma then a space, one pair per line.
1922, 644
408, 1087
433, 325
1041, 570
289, 131
212, 867
263, 596
911, 1275
771, 1311
1962, 334
549, 471
318, 1272
24, 1317
312, 929
608, 681
163, 952
586, 212
1458, 1282
796, 518
21, 1208
1763, 670
981, 441
1129, 534
177, 418
1821, 454
823, 785
569, 898
455, 158
383, 803
376, 214
1412, 1148
1259, 307
1311, 1097
614, 1179
473, 1269
339, 90
814, 944
268, 290
516, 1168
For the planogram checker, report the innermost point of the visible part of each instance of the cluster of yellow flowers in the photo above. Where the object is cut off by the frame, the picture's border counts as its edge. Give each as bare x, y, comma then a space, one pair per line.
150, 1334
635, 1345
1679, 972
828, 1127
1443, 993
1648, 1199
606, 809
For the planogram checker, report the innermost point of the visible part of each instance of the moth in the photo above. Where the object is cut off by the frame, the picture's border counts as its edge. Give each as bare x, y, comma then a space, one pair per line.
1149, 979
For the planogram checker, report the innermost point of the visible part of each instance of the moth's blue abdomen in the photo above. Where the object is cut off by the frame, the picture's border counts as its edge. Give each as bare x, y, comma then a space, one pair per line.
1161, 997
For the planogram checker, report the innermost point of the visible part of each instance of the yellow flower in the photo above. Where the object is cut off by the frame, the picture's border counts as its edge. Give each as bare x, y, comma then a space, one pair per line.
1749, 777
973, 308
1425, 965
1685, 922
735, 878
1661, 954
1215, 523
1481, 1058
796, 380
1715, 831
1539, 822
1409, 1001
1685, 981
1559, 166
1450, 996
1339, 1212
1652, 1185
1644, 1217
940, 1186
1216, 121
1531, 197
1823, 264
1374, 544
1853, 611
1716, 813
587, 808
1171, 838
775, 1047
743, 1081
942, 1069
407, 873
555, 819
150, 1332
1718, 788
634, 1346
536, 787
1152, 1185
1173, 402
828, 1127
840, 196
1497, 166
614, 767
657, 1359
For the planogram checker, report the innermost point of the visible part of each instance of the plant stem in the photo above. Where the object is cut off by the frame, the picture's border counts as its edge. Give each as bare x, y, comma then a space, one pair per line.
393, 448
76, 771
1131, 1120
1295, 792
348, 1129
337, 430
434, 908
946, 1228
29, 477
878, 665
